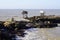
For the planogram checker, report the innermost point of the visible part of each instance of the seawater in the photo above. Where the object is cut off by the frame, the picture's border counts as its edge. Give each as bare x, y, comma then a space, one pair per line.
41, 34
9, 13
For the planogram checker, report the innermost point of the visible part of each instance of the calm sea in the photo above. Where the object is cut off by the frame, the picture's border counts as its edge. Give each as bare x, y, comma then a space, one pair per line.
8, 13
34, 12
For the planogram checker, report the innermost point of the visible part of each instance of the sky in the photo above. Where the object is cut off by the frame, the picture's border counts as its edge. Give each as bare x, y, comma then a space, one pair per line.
29, 4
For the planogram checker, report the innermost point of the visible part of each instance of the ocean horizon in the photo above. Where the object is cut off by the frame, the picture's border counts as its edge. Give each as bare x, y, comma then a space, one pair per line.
34, 12
7, 13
